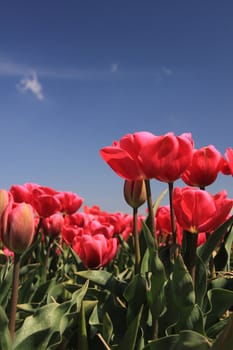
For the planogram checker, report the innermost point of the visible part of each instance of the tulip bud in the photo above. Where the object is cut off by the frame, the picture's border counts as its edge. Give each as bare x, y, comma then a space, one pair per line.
17, 227
4, 200
135, 193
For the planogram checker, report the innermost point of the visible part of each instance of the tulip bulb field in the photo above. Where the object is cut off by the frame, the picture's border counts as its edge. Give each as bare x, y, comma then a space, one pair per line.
80, 278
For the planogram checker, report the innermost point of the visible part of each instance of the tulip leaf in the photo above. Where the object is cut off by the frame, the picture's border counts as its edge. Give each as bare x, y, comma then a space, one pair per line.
200, 281
130, 338
82, 330
185, 340
135, 295
5, 340
206, 250
222, 259
46, 326
107, 327
225, 339
99, 277
220, 301
182, 285
6, 275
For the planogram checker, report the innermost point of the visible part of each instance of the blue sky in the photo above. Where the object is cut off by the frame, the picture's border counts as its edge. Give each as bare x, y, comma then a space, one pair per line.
76, 75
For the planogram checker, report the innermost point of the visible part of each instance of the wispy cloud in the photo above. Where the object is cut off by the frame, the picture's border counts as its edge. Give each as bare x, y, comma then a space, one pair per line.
13, 69
114, 67
32, 84
167, 71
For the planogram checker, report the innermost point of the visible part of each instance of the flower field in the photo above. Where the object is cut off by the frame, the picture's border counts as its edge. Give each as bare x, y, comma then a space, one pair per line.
77, 277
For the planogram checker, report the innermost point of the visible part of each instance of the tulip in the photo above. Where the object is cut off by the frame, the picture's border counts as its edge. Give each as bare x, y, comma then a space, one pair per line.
124, 155
5, 197
163, 223
135, 193
204, 168
17, 227
95, 251
199, 211
166, 157
227, 168
52, 225
70, 202
45, 202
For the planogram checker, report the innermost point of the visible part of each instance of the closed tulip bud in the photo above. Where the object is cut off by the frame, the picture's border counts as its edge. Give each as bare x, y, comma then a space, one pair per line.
17, 227
4, 200
135, 193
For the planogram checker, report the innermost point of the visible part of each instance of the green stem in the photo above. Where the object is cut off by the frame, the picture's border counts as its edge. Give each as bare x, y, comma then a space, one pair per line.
14, 296
151, 219
190, 253
172, 217
136, 241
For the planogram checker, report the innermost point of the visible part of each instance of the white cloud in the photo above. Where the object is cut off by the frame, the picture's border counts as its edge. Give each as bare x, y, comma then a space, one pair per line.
167, 71
31, 83
114, 67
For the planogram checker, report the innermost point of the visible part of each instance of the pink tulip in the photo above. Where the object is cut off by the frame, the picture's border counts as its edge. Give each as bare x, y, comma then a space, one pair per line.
204, 168
70, 202
124, 155
166, 157
199, 211
95, 251
17, 226
227, 168
52, 225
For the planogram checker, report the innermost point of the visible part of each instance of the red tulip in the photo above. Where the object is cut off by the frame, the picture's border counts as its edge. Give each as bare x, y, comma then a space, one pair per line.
227, 167
199, 211
52, 225
124, 155
204, 168
163, 223
17, 226
166, 157
5, 198
45, 202
70, 202
95, 251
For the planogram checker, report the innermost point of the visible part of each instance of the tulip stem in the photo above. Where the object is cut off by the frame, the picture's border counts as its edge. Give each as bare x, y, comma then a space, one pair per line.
190, 253
136, 241
14, 296
172, 219
151, 221
173, 226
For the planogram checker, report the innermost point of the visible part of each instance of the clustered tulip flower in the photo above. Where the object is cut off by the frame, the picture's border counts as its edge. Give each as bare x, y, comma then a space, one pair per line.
143, 155
199, 211
203, 170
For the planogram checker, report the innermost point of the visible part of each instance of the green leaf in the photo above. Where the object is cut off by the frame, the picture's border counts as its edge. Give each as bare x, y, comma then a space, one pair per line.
222, 259
182, 285
225, 339
186, 340
6, 275
155, 293
46, 326
206, 250
135, 295
104, 279
107, 327
99, 277
82, 330
220, 300
167, 343
129, 340
5, 340
200, 281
